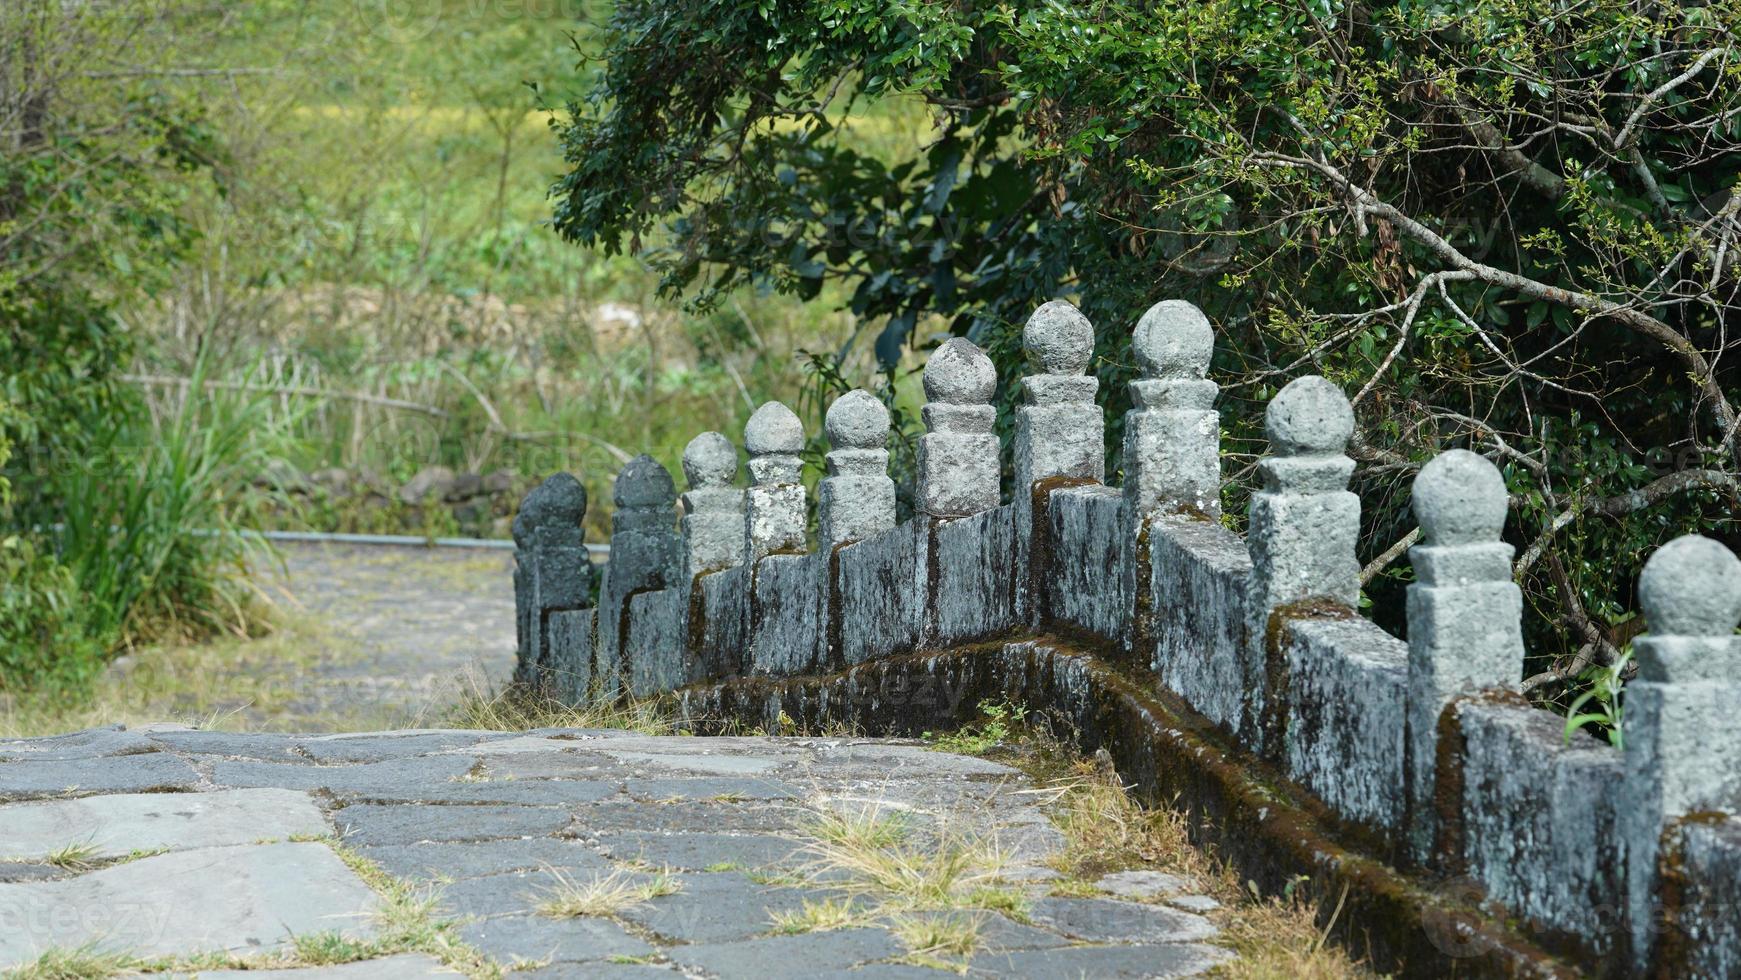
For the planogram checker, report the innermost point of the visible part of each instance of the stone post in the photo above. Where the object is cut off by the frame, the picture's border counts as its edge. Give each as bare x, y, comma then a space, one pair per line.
552, 571
1059, 441
959, 453
1060, 431
857, 498
774, 516
713, 509
643, 559
1464, 613
1683, 747
1172, 437
1303, 527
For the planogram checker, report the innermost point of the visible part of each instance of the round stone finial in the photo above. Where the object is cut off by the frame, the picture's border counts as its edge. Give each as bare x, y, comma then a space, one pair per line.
959, 373
1691, 587
857, 420
1309, 417
1058, 339
644, 482
1173, 340
710, 460
1460, 498
774, 429
559, 501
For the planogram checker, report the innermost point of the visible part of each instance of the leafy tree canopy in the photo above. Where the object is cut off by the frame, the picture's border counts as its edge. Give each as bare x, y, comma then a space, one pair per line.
1510, 224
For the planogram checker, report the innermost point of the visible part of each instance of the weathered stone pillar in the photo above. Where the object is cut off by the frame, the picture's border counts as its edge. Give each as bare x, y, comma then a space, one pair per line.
1464, 613
1303, 527
1683, 747
959, 453
774, 511
1060, 431
1172, 437
643, 559
552, 579
857, 499
1059, 441
713, 509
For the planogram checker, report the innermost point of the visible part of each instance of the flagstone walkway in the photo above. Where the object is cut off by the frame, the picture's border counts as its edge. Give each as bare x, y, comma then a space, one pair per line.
699, 857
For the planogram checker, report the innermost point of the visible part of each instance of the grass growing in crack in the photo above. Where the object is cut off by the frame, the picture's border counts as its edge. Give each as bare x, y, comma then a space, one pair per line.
516, 710
84, 963
616, 892
879, 859
940, 942
817, 917
74, 857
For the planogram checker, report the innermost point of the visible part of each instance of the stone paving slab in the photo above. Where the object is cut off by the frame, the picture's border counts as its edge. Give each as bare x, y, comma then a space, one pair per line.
491, 824
249, 898
115, 826
141, 773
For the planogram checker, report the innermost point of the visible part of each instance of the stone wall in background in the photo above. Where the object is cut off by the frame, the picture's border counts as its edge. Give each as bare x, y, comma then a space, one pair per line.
435, 499
1418, 759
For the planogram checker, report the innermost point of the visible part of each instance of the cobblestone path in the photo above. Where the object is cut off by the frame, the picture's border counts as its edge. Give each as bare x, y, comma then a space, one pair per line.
555, 853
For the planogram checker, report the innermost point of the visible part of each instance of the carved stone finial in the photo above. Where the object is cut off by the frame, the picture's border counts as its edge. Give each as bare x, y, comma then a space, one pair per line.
1691, 587
1309, 417
774, 437
958, 456
1058, 339
1459, 498
857, 499
710, 460
774, 429
857, 420
558, 502
774, 507
959, 373
1174, 340
644, 482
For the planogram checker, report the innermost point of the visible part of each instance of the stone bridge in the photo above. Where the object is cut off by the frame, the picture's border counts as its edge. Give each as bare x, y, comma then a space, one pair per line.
1410, 784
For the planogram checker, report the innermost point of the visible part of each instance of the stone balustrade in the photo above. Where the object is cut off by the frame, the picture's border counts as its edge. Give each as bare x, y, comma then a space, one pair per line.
1420, 755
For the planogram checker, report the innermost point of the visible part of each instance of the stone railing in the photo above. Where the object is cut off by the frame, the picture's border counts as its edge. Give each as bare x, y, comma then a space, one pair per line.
1231, 673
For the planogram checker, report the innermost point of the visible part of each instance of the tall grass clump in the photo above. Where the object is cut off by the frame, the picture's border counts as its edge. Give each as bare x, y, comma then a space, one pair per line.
139, 537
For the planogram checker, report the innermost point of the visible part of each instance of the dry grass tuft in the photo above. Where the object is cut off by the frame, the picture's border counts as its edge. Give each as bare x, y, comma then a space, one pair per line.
618, 891
516, 710
940, 942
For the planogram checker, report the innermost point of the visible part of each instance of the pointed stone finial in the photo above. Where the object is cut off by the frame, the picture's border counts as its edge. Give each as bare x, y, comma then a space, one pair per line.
1172, 438
1465, 615
1173, 340
774, 513
1459, 499
558, 504
959, 373
1309, 417
958, 456
710, 460
857, 499
1691, 587
643, 482
857, 420
1058, 339
713, 509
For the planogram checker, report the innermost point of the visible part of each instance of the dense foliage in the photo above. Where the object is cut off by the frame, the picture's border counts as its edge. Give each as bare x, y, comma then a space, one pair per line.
97, 158
1507, 224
